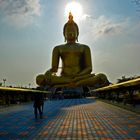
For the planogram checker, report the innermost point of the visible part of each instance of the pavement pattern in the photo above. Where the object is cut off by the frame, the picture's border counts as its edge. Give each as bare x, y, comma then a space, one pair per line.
70, 119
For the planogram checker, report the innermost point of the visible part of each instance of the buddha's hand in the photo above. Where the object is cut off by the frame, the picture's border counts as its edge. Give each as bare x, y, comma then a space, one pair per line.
50, 73
53, 73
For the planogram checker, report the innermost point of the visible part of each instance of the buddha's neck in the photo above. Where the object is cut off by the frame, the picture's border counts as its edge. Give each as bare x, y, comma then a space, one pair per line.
71, 42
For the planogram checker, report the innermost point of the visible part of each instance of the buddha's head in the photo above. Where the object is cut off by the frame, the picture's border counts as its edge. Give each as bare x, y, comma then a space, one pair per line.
71, 30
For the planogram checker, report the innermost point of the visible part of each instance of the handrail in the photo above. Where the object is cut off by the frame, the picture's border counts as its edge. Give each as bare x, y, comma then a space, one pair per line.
22, 90
130, 83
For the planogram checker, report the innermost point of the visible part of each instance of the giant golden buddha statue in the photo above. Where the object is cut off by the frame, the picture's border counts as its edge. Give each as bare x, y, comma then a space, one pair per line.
76, 63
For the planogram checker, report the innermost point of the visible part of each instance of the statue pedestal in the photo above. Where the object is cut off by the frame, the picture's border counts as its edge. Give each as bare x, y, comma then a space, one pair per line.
73, 91
68, 92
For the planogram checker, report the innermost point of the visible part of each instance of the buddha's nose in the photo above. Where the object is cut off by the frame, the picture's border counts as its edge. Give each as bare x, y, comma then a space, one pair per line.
71, 34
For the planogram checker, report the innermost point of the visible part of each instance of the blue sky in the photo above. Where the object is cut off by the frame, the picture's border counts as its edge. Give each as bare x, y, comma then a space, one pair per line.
30, 29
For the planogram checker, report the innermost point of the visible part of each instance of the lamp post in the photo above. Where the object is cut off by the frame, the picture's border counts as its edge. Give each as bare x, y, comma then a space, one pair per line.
29, 85
4, 81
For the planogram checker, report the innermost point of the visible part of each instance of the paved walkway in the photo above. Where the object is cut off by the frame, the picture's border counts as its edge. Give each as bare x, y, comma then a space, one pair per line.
70, 119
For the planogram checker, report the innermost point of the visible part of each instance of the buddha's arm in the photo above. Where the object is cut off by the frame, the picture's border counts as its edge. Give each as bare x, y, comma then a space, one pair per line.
55, 59
85, 71
86, 62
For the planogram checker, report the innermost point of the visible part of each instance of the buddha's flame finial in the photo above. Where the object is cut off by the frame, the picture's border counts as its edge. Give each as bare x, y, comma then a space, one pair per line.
70, 17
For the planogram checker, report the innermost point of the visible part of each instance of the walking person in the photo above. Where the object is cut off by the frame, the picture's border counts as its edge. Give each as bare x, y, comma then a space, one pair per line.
38, 105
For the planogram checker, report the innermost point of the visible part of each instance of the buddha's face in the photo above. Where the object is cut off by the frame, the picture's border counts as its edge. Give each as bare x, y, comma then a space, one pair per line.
71, 33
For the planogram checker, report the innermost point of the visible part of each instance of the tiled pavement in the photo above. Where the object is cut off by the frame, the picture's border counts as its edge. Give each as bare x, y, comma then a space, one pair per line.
70, 119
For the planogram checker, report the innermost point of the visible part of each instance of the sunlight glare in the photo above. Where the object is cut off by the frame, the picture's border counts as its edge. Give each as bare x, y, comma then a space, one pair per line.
75, 8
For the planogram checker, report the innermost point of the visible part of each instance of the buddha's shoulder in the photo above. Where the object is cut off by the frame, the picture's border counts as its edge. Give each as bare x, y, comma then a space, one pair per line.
79, 45
84, 46
60, 46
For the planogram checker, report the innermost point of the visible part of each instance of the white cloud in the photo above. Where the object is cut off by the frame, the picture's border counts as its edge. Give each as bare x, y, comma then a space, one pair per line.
103, 26
20, 12
86, 17
115, 43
